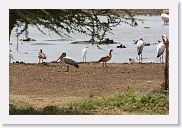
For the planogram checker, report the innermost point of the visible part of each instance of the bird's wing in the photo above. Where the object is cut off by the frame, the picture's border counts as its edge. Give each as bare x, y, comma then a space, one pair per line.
39, 55
11, 56
165, 17
70, 61
84, 52
160, 49
42, 55
140, 46
106, 58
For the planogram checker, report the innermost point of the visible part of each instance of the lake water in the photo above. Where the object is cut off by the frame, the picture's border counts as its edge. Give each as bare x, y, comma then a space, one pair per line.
27, 51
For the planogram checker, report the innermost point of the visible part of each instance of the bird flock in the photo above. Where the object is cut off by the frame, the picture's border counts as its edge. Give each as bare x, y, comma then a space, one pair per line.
70, 61
139, 44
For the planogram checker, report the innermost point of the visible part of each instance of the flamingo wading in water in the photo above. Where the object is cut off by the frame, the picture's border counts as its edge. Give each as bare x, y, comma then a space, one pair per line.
106, 58
84, 53
140, 46
67, 60
41, 56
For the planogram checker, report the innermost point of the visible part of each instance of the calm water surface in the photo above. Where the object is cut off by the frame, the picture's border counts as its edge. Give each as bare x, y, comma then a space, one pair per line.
27, 51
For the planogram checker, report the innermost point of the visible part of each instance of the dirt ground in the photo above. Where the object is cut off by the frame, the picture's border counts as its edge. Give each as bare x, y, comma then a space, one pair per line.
89, 79
40, 82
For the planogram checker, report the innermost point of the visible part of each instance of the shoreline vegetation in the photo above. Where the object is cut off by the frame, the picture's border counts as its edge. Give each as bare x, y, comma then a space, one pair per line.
127, 89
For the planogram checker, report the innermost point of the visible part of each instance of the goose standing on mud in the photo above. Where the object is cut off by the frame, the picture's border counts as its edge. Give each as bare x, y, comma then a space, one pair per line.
140, 46
106, 58
84, 53
165, 16
11, 57
160, 50
41, 56
68, 61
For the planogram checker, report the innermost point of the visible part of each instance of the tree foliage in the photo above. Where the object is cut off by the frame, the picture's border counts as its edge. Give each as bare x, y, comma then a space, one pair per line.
65, 21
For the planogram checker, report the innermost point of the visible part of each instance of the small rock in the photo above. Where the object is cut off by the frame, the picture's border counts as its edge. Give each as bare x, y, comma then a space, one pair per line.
121, 46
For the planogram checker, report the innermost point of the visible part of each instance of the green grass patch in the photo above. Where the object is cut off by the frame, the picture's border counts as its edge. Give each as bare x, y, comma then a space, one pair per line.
129, 101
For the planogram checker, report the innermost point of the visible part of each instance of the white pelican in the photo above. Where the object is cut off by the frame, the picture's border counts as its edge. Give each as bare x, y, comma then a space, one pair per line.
140, 46
68, 61
41, 56
11, 57
106, 58
165, 16
84, 53
160, 50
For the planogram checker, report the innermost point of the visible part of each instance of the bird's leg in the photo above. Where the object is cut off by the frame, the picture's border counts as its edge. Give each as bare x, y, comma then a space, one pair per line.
162, 58
85, 59
139, 58
39, 60
105, 64
67, 68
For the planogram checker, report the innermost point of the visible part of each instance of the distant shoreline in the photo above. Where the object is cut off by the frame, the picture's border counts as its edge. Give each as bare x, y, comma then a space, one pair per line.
90, 62
141, 11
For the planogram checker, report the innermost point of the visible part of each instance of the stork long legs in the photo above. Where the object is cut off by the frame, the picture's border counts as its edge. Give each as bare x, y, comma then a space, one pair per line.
104, 64
84, 59
161, 59
67, 68
140, 58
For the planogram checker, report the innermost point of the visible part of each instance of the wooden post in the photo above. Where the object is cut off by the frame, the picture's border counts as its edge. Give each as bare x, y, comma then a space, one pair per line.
166, 75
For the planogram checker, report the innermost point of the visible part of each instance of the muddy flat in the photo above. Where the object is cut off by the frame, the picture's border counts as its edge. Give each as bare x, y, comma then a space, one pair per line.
90, 79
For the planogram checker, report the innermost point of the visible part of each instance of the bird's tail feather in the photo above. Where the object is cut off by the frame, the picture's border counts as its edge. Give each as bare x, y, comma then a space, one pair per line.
77, 66
99, 61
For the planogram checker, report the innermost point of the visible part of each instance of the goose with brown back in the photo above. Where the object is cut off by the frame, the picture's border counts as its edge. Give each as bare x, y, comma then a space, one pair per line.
106, 58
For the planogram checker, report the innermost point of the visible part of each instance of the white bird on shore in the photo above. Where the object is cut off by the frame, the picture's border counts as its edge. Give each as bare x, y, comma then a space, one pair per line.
41, 56
165, 16
106, 58
11, 57
84, 53
160, 50
140, 46
68, 61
